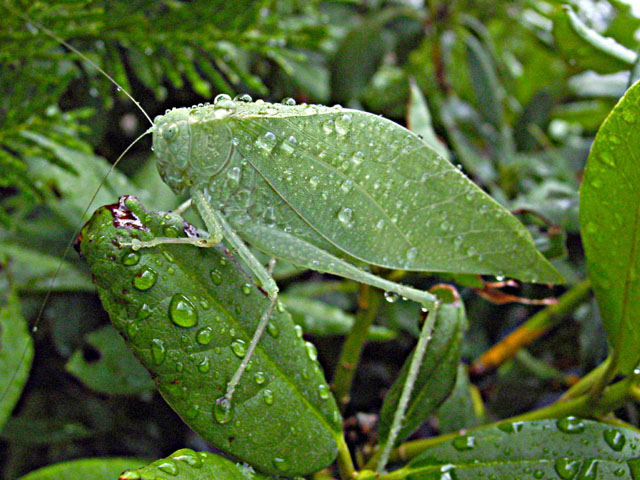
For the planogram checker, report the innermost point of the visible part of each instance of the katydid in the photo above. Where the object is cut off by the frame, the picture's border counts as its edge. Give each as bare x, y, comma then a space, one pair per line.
333, 190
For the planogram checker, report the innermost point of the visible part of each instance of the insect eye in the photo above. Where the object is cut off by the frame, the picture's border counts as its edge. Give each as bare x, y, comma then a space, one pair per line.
170, 132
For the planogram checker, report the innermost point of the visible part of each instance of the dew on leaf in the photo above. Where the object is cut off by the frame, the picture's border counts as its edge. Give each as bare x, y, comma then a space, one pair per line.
130, 258
615, 439
466, 442
222, 411
239, 348
158, 351
312, 352
267, 395
182, 312
168, 466
566, 468
570, 425
145, 279
204, 335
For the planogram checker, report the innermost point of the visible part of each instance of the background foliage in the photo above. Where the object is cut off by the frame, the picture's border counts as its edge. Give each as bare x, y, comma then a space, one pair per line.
515, 97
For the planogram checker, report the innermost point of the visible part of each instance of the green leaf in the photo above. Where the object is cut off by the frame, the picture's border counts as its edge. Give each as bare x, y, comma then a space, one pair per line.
319, 318
419, 121
188, 314
459, 410
33, 271
185, 464
16, 354
568, 448
437, 375
106, 365
85, 469
610, 225
587, 47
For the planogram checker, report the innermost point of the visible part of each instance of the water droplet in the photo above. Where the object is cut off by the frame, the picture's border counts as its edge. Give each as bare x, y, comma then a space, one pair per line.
607, 158
289, 101
347, 185
171, 231
566, 468
379, 225
203, 337
143, 312
457, 242
169, 132
391, 297
204, 365
182, 312
514, 427
130, 475
327, 126
239, 348
130, 258
221, 97
615, 439
323, 391
145, 279
288, 146
281, 464
357, 158
189, 457
244, 97
629, 117
259, 378
538, 474
273, 329
267, 141
222, 410
267, 395
313, 182
570, 425
463, 443
168, 466
345, 215
216, 277
246, 289
312, 352
412, 253
299, 331
589, 470
158, 351
343, 124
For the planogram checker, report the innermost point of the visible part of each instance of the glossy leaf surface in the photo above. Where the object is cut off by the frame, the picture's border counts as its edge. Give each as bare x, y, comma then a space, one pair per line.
189, 314
610, 225
16, 354
85, 469
106, 365
568, 448
185, 464
437, 375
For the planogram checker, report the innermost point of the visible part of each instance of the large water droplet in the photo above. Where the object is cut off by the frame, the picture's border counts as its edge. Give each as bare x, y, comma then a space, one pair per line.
244, 97
246, 289
289, 101
570, 425
466, 442
312, 352
288, 146
281, 464
391, 297
239, 348
566, 468
343, 124
204, 335
259, 378
222, 411
323, 391
267, 395
158, 351
168, 466
615, 439
189, 457
589, 470
182, 312
145, 279
345, 215
221, 97
205, 365
273, 329
298, 330
130, 258
267, 141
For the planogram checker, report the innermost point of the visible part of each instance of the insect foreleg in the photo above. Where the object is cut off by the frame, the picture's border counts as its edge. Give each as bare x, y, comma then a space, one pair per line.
209, 215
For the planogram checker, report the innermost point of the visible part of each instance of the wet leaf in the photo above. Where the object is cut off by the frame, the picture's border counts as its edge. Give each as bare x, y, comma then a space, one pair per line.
16, 354
85, 469
437, 375
463, 408
185, 464
188, 314
569, 448
610, 225
106, 365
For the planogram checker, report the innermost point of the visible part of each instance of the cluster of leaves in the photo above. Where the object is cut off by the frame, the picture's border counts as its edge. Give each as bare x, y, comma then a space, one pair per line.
513, 93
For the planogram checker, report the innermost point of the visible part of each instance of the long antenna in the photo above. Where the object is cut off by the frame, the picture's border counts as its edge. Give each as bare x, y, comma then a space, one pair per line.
79, 53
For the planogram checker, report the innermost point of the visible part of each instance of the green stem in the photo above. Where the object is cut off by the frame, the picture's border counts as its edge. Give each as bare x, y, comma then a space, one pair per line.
370, 301
345, 462
586, 382
607, 375
407, 389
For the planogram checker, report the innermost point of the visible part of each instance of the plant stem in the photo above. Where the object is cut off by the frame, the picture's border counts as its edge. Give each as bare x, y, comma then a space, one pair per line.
369, 302
345, 462
586, 382
533, 328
